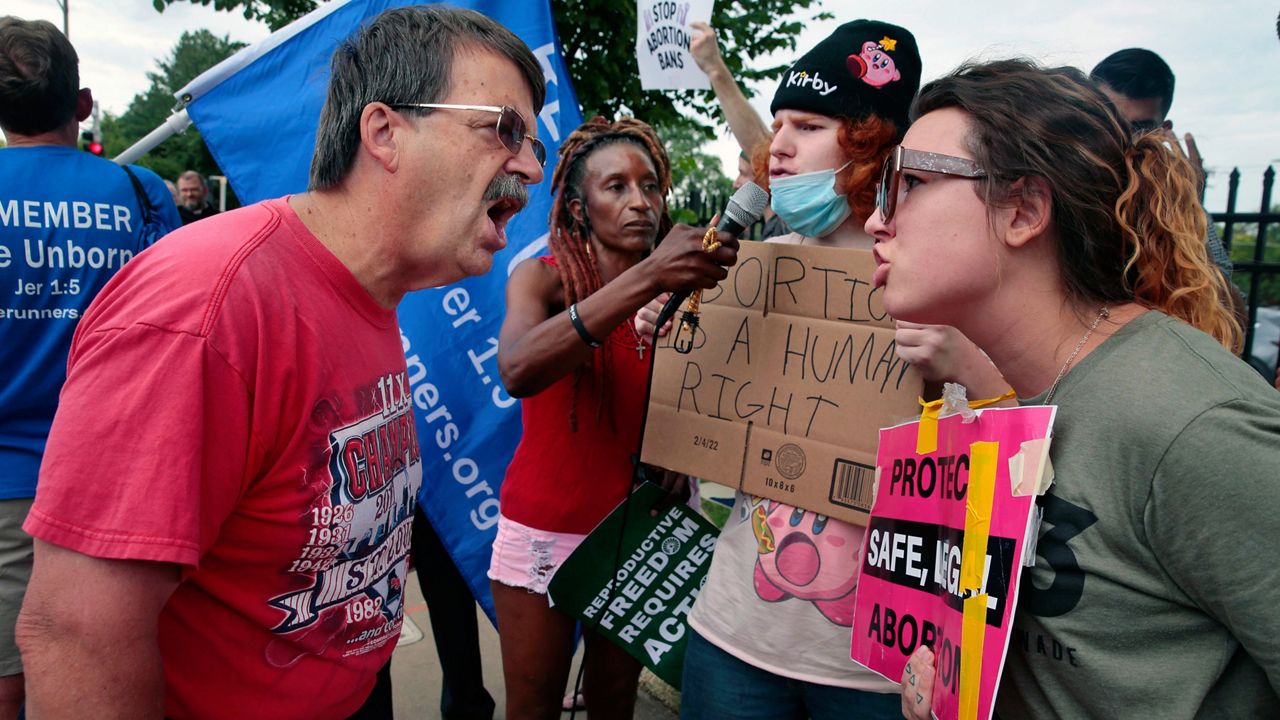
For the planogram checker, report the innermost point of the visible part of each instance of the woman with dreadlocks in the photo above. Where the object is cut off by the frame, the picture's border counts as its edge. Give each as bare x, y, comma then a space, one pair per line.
569, 348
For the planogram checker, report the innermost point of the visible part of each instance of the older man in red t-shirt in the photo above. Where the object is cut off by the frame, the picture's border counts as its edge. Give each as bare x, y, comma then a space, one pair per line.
225, 507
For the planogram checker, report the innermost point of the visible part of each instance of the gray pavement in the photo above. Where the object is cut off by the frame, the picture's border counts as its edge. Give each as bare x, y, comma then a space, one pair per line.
415, 669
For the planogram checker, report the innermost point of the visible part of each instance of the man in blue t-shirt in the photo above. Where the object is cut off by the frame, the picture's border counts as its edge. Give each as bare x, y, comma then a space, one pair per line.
68, 222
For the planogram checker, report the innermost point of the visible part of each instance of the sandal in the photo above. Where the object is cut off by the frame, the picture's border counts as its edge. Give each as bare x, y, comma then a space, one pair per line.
573, 702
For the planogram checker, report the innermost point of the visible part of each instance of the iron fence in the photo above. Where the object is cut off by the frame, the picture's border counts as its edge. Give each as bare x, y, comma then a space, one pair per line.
1256, 273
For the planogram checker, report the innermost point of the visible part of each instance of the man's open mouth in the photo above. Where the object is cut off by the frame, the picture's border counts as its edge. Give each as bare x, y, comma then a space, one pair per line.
502, 210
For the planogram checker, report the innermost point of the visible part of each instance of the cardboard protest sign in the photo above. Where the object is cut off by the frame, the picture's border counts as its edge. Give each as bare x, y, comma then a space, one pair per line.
634, 581
662, 44
944, 550
793, 373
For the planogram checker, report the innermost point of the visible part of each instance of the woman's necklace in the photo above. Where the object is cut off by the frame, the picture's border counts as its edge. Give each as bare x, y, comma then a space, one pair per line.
640, 347
1103, 313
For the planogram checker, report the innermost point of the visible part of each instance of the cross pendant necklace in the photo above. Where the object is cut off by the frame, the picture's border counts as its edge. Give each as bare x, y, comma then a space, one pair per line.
631, 325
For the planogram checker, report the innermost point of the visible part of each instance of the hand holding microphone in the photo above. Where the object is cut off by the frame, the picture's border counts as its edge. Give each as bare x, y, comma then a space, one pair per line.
745, 208
684, 339
679, 265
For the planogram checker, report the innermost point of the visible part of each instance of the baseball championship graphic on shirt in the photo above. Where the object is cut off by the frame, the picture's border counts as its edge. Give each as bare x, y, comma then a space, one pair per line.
359, 541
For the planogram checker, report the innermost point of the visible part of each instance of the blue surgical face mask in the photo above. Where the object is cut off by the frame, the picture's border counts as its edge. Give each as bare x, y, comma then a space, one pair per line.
808, 202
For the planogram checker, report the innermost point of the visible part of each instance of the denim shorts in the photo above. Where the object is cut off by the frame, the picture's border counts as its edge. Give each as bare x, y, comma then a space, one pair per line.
525, 557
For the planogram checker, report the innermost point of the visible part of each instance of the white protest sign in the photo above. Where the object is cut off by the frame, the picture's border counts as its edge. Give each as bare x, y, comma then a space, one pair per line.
662, 44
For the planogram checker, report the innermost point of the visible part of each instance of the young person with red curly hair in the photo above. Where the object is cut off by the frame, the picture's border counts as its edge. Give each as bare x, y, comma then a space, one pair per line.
761, 650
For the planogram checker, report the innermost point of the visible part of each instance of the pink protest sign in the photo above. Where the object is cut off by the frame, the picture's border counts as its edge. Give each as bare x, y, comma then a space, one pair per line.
944, 548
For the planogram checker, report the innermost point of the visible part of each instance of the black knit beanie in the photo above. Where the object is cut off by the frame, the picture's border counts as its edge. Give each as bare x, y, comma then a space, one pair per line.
865, 67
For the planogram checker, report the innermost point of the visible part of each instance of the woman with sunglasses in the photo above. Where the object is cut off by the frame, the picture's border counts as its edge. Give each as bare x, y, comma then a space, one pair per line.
758, 650
569, 348
1023, 212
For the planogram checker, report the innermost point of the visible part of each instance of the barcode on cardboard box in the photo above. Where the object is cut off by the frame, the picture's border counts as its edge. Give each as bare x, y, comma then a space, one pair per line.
853, 485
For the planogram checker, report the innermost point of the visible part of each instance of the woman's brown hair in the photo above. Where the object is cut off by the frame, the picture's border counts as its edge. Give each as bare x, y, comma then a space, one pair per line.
1129, 225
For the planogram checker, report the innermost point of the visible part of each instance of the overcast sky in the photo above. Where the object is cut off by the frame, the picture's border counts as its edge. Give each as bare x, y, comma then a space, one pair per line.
1226, 56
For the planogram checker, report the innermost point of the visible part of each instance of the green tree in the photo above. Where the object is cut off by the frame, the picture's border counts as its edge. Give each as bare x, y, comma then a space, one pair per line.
696, 176
598, 37
194, 53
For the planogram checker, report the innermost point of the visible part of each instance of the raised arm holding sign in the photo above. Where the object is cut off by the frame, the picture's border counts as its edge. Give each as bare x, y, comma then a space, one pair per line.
663, 37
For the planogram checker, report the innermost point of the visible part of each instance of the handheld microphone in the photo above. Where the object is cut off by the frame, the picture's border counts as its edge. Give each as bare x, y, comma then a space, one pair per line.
742, 211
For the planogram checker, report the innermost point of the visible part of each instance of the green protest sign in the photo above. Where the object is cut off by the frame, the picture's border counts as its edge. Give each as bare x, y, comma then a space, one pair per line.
639, 595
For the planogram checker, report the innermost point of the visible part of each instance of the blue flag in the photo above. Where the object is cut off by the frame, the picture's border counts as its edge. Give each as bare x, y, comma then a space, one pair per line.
258, 112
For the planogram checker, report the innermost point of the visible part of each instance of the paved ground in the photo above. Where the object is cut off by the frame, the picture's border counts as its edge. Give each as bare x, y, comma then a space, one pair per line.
415, 669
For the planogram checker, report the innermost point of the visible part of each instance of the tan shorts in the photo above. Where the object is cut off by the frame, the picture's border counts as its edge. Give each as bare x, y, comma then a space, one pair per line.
15, 573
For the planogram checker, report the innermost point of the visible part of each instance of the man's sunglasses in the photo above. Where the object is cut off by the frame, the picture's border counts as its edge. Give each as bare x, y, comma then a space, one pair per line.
510, 127
906, 159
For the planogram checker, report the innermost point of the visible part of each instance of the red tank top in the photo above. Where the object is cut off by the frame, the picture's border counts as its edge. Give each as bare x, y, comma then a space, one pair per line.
565, 481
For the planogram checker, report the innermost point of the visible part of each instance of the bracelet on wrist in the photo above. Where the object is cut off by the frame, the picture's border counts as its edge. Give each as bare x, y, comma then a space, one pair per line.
582, 329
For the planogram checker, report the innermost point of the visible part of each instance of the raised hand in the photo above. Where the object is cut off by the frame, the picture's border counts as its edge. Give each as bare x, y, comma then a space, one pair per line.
1190, 152
705, 49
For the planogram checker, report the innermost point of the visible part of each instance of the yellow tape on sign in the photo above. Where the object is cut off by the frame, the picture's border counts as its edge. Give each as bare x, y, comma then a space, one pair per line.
977, 520
927, 435
972, 633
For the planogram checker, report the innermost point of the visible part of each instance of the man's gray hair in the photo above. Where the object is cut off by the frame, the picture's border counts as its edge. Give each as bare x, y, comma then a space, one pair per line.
193, 175
404, 56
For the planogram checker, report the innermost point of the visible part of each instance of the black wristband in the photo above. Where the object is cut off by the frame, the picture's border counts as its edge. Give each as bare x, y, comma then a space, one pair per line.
582, 329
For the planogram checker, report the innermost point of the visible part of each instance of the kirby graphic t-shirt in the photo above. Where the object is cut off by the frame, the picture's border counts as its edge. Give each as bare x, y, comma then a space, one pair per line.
237, 405
780, 594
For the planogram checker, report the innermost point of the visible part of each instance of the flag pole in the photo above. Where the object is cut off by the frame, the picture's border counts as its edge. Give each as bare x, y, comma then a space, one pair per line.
177, 122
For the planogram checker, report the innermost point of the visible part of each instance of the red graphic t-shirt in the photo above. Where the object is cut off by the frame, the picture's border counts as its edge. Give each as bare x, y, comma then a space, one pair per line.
237, 404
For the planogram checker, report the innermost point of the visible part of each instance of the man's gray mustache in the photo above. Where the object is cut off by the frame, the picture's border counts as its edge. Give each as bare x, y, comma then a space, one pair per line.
507, 186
